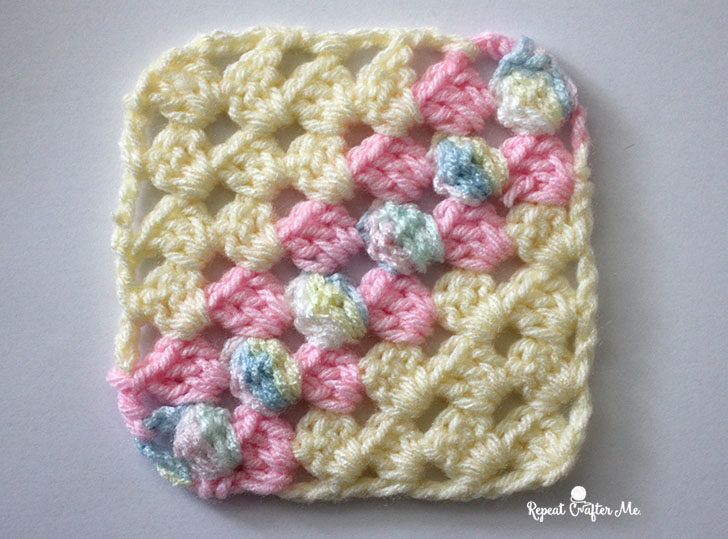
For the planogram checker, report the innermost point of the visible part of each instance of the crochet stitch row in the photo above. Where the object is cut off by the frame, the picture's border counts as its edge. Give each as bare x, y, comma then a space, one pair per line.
463, 418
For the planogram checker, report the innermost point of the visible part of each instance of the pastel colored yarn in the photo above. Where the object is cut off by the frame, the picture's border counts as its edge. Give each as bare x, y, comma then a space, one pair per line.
400, 307
475, 237
401, 237
265, 374
452, 97
328, 309
533, 95
248, 303
203, 441
507, 420
391, 168
319, 237
331, 378
269, 465
541, 170
175, 372
469, 170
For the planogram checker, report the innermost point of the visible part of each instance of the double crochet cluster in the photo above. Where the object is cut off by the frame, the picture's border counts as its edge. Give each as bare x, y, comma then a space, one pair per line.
527, 198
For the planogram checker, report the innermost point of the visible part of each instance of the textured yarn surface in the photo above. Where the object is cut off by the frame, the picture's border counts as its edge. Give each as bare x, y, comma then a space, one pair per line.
456, 367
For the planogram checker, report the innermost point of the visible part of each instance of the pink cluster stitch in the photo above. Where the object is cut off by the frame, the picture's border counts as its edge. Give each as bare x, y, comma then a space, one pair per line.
319, 237
474, 236
175, 372
541, 170
400, 307
248, 303
453, 97
330, 378
391, 168
268, 464
494, 46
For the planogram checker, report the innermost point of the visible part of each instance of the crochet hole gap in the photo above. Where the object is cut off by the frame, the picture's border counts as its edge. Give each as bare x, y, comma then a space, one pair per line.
362, 347
506, 269
149, 197
285, 271
507, 406
303, 476
148, 337
292, 59
366, 409
569, 272
358, 265
147, 266
505, 339
286, 199
356, 133
429, 200
433, 274
287, 134
565, 408
369, 473
223, 60
485, 66
359, 204
216, 268
495, 134
218, 198
360, 58
423, 57
221, 129
294, 413
432, 345
216, 336
432, 472
292, 339
228, 401
427, 418
422, 134
154, 126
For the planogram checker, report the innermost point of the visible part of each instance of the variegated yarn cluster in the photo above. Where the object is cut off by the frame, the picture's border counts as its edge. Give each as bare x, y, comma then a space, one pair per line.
476, 387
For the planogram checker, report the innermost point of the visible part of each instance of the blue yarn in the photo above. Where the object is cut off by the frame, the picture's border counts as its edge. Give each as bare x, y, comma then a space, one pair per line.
362, 226
256, 371
169, 465
524, 58
343, 282
163, 421
456, 168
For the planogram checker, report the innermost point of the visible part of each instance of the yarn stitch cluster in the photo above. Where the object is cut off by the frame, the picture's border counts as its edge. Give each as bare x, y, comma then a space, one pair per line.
474, 386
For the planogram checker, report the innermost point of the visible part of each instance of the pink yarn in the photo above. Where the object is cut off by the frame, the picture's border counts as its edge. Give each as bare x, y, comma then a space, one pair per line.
474, 236
494, 46
319, 237
248, 303
579, 133
391, 168
330, 378
175, 372
453, 97
541, 170
268, 466
400, 307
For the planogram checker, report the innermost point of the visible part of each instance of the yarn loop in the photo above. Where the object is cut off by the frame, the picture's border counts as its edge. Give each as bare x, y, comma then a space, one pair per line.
469, 170
319, 237
328, 309
401, 237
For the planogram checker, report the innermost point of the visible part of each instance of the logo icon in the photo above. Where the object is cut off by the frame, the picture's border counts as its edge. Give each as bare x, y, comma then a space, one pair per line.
579, 506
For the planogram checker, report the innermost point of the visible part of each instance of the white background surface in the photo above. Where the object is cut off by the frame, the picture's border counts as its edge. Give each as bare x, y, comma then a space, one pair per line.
653, 77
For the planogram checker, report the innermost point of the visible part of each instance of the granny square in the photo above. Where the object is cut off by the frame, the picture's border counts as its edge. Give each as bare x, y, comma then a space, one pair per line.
251, 356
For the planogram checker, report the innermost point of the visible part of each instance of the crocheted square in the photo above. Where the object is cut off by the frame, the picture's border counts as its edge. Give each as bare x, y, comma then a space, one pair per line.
373, 400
